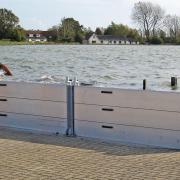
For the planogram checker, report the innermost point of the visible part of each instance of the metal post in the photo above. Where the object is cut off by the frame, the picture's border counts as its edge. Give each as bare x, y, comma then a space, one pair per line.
173, 81
70, 108
76, 82
144, 84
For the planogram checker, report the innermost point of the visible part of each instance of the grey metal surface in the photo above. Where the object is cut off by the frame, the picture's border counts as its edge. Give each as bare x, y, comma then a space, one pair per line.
35, 107
143, 117
70, 107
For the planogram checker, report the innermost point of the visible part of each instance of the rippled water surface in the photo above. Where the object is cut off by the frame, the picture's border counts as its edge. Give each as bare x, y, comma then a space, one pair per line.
109, 66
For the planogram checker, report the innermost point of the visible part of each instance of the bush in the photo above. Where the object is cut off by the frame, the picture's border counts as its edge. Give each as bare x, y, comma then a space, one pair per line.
156, 40
17, 35
79, 38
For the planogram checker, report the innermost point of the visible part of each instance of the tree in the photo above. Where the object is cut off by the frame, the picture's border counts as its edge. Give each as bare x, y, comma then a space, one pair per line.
8, 23
162, 35
158, 16
87, 33
116, 29
98, 31
156, 40
148, 16
54, 33
133, 33
172, 23
121, 30
18, 34
70, 30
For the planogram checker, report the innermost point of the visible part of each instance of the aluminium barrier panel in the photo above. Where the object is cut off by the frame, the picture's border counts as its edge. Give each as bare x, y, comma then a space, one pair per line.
143, 117
33, 106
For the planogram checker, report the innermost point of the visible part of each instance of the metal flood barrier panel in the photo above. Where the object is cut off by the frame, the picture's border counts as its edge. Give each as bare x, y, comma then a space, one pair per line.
141, 117
33, 106
132, 116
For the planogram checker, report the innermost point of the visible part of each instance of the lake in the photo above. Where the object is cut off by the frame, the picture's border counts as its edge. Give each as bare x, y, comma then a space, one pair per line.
105, 66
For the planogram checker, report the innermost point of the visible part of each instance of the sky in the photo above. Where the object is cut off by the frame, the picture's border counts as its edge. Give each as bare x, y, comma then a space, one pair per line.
43, 14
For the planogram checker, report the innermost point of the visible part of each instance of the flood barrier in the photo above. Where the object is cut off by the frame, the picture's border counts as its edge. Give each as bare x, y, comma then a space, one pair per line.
33, 106
133, 116
142, 117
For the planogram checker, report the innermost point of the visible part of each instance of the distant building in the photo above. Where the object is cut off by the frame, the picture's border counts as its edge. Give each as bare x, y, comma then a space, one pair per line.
111, 40
37, 36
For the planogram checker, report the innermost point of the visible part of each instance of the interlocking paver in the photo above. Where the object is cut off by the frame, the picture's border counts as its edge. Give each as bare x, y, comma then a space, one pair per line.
24, 155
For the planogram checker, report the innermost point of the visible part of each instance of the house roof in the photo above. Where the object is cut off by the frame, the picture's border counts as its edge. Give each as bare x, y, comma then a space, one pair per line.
44, 34
36, 32
110, 37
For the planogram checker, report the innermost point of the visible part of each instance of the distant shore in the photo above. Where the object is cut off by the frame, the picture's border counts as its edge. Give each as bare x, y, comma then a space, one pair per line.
13, 43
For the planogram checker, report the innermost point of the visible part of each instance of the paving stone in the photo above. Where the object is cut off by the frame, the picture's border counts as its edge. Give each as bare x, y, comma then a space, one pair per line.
32, 156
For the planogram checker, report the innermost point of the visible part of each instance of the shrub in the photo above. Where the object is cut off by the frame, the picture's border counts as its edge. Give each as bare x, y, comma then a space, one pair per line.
156, 40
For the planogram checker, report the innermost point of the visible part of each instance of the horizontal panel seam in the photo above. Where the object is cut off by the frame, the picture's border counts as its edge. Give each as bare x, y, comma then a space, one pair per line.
126, 125
31, 99
134, 108
32, 115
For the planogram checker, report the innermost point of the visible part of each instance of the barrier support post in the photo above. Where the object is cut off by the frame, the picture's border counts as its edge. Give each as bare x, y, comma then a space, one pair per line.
70, 108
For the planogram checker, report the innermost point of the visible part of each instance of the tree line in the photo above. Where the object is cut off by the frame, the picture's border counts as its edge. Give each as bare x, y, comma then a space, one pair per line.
9, 26
154, 27
69, 30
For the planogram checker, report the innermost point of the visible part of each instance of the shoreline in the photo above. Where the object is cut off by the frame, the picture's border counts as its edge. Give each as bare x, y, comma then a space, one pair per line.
16, 43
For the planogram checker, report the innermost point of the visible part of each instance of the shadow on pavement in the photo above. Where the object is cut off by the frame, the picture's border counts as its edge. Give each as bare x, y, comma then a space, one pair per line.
81, 143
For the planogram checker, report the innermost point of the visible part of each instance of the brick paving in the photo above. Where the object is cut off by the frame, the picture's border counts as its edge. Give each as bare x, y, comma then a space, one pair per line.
24, 155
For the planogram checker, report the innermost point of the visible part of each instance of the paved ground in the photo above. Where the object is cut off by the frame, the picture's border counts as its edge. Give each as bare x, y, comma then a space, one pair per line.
32, 156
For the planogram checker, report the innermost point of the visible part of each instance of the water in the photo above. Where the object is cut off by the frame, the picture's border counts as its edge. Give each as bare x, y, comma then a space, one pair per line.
107, 66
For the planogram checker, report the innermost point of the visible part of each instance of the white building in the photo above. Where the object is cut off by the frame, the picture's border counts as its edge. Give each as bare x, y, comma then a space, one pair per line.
36, 36
110, 39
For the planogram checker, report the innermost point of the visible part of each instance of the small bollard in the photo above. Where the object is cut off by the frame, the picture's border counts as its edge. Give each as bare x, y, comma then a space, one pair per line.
173, 82
144, 84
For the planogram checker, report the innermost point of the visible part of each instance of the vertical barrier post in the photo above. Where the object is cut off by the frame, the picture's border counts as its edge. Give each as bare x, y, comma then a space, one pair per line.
174, 83
144, 84
70, 107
